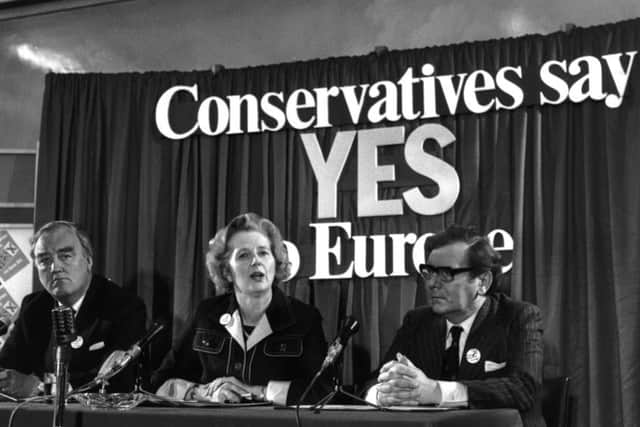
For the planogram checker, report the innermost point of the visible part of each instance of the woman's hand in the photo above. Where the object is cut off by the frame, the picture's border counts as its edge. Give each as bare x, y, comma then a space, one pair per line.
229, 390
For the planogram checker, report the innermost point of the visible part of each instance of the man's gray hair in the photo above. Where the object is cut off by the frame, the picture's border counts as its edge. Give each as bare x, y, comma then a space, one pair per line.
56, 225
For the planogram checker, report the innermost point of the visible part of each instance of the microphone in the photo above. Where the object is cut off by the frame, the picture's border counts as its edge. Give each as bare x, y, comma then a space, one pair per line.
136, 349
64, 333
118, 360
351, 326
64, 329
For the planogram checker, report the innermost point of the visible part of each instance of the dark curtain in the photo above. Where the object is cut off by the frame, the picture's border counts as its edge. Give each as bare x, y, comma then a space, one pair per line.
562, 180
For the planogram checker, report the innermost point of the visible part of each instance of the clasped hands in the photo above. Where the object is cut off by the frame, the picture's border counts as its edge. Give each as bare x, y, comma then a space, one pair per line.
401, 383
227, 390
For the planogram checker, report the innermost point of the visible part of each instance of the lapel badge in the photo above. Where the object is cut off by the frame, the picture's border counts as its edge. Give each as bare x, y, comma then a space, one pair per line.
473, 356
77, 343
226, 319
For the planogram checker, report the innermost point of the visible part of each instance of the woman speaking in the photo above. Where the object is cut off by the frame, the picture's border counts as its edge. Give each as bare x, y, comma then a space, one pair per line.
252, 342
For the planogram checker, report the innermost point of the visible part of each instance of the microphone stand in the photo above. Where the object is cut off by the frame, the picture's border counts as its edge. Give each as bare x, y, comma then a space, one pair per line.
333, 360
115, 364
62, 365
338, 391
139, 385
64, 332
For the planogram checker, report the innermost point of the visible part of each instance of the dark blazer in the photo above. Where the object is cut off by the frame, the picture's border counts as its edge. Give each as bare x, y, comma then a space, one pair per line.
504, 331
108, 315
293, 352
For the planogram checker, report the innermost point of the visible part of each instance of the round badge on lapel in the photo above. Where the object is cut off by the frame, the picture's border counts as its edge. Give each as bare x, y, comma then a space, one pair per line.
473, 355
225, 319
77, 343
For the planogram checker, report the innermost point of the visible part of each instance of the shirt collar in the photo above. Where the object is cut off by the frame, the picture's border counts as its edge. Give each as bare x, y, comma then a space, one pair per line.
466, 323
261, 331
76, 306
279, 312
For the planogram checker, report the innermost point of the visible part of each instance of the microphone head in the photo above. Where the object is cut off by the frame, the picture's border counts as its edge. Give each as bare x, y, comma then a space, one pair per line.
351, 326
64, 330
156, 328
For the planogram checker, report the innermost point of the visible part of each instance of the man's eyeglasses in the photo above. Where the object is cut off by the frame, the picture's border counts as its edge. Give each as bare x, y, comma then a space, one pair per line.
446, 274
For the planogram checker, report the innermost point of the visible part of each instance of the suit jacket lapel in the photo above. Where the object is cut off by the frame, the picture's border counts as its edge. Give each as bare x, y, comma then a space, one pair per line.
481, 316
86, 316
434, 348
478, 341
49, 356
279, 312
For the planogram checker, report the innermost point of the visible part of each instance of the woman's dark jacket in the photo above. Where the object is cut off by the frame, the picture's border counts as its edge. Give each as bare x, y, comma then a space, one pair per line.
293, 351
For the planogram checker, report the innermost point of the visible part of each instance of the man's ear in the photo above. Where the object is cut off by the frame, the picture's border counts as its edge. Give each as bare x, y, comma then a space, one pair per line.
486, 279
89, 263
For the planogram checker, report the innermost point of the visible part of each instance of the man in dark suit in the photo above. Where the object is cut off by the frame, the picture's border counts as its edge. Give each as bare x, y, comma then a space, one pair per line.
107, 318
471, 347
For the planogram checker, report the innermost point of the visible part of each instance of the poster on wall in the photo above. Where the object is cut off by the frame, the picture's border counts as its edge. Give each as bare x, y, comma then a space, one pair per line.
16, 272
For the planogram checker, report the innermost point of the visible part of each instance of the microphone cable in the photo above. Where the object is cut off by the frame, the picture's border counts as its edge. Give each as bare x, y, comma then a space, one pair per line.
22, 404
334, 351
304, 394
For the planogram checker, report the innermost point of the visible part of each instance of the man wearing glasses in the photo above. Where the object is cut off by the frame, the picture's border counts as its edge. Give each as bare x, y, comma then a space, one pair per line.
471, 347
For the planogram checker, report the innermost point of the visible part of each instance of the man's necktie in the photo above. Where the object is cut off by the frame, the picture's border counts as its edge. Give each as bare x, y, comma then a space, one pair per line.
451, 361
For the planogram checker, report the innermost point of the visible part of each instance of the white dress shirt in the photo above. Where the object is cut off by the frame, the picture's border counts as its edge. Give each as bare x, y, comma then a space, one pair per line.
455, 393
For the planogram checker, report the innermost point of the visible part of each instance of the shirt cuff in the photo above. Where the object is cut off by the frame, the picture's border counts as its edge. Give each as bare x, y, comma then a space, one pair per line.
277, 392
41, 389
372, 395
454, 394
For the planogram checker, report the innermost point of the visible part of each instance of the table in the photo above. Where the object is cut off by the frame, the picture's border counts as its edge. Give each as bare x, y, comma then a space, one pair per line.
38, 414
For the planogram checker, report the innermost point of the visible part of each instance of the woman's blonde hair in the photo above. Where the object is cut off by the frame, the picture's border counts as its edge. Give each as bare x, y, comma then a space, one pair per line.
217, 258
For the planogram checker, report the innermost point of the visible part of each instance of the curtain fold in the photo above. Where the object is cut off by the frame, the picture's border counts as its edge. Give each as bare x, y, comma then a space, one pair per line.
562, 180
